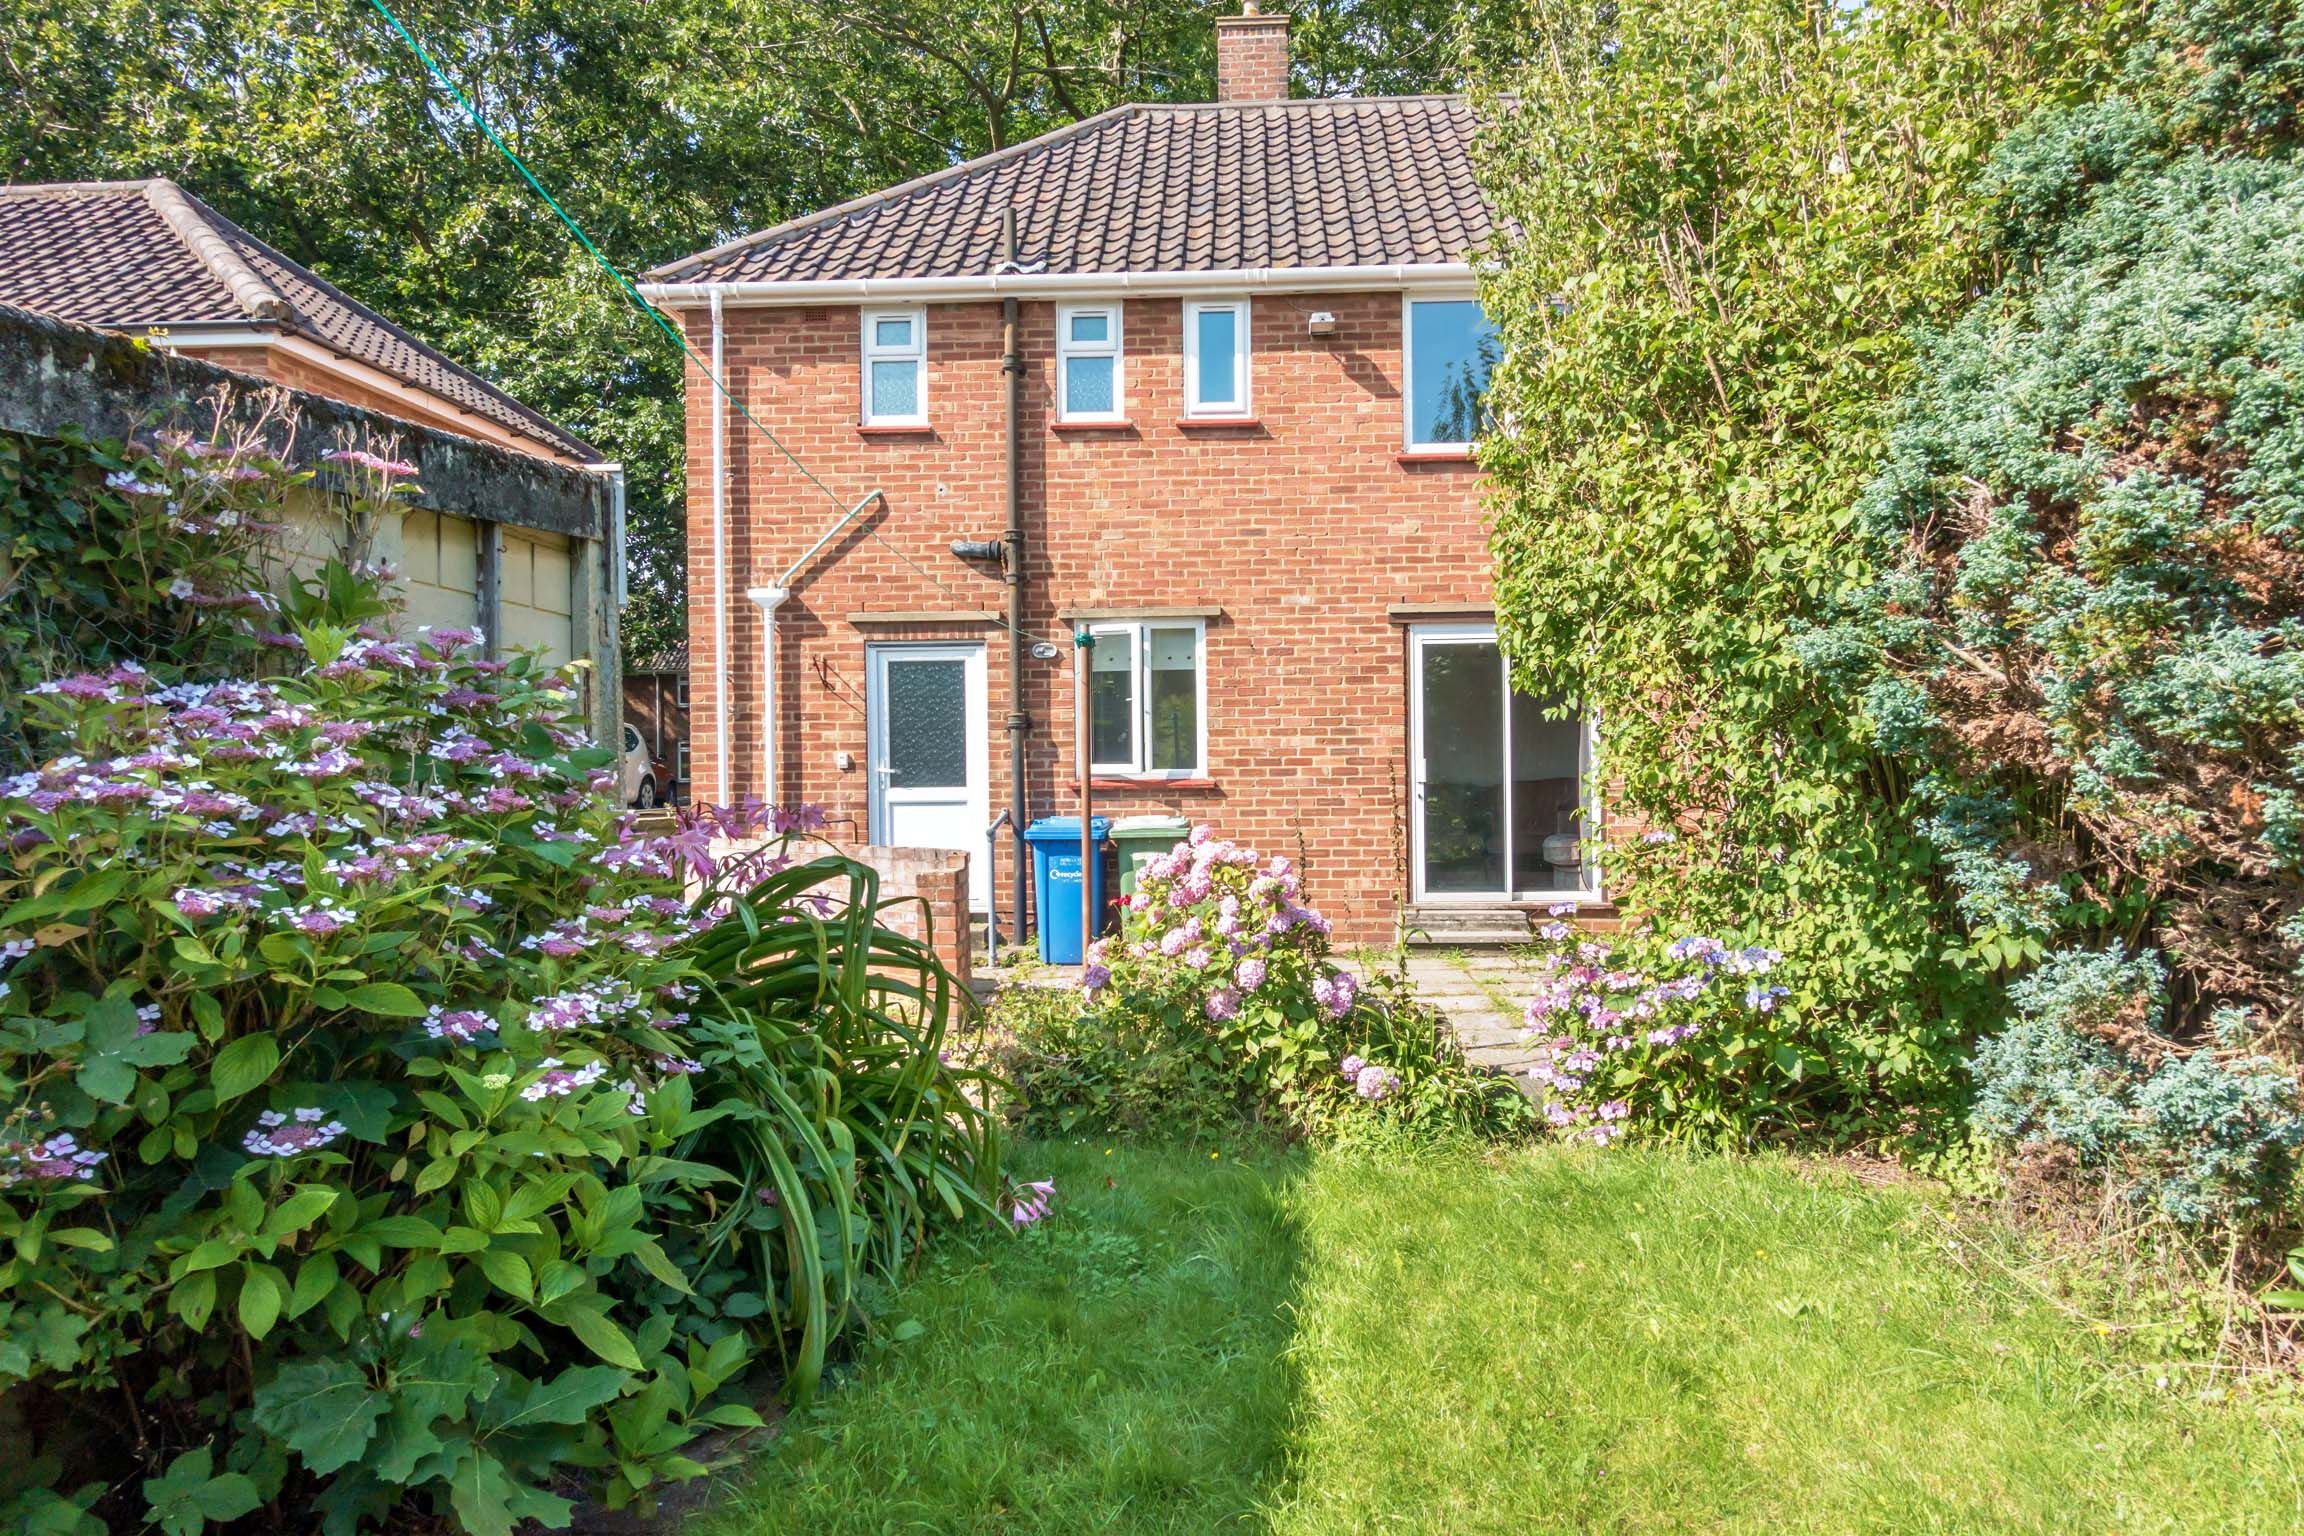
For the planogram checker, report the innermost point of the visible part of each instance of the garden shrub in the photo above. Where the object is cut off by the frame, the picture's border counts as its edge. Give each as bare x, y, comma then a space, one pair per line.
2203, 1136
1726, 215
1217, 1004
389, 1127
2088, 622
1634, 1034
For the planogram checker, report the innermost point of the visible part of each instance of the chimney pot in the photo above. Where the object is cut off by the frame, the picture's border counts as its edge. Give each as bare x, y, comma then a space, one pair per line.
1252, 55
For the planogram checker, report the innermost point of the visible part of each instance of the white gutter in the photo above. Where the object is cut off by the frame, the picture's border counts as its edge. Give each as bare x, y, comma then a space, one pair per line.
720, 708
1407, 275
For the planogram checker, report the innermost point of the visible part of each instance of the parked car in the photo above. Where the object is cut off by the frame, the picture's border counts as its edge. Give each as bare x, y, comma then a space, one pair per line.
646, 783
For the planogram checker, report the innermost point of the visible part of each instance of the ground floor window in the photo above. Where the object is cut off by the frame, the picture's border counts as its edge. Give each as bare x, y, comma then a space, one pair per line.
1501, 802
1147, 699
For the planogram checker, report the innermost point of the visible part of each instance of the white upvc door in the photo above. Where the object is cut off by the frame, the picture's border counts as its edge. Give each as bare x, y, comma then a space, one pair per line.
1500, 807
927, 726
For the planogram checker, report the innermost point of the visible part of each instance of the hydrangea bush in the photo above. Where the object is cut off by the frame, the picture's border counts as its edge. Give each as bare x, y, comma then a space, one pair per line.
1660, 1037
386, 1123
1218, 999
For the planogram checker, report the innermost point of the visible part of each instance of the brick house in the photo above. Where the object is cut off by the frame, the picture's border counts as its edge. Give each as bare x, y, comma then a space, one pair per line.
1248, 357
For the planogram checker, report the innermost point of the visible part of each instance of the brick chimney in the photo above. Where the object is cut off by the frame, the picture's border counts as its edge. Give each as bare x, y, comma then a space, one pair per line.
1251, 56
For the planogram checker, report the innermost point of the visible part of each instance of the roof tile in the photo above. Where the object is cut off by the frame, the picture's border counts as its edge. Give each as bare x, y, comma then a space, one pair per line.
1378, 181
131, 254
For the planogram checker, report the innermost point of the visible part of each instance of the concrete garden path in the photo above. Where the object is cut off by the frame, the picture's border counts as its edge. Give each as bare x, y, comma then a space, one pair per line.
1481, 992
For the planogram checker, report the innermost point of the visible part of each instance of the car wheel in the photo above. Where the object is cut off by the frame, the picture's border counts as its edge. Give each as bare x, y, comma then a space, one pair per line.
647, 797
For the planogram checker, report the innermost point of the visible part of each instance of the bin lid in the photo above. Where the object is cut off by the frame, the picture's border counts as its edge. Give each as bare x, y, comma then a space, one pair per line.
1175, 824
1066, 829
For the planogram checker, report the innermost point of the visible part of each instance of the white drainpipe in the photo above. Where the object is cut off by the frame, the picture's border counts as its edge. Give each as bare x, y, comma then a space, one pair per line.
768, 600
721, 713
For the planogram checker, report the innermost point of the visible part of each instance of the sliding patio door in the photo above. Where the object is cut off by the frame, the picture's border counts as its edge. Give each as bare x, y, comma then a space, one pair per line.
1500, 808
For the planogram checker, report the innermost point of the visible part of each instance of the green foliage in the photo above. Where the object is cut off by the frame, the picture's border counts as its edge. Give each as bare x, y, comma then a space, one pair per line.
664, 127
1217, 1005
2202, 1136
385, 1124
87, 570
1730, 213
2090, 529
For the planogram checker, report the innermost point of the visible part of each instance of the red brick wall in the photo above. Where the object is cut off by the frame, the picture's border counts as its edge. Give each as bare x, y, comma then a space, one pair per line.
1303, 529
1251, 58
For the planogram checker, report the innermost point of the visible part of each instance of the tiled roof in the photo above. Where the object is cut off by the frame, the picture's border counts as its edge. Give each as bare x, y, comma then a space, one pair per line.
672, 661
132, 254
1378, 181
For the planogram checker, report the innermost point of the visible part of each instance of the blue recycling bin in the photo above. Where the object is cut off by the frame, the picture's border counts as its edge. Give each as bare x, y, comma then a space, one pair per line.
1056, 882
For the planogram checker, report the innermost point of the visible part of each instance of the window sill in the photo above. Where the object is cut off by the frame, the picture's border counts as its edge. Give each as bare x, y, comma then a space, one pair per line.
1135, 781
1059, 424
1434, 456
1197, 423
887, 429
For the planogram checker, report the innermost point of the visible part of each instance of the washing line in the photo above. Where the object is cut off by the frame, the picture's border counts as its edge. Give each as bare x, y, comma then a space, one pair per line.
639, 299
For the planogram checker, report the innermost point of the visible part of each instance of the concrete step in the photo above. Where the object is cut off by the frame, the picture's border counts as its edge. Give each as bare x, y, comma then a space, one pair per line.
1467, 927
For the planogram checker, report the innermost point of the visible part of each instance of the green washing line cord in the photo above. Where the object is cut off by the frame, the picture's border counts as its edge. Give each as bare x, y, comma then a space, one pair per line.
607, 266
639, 299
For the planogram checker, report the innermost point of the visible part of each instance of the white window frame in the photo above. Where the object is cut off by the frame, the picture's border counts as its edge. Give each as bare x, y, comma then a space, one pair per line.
872, 352
1408, 302
1240, 407
1068, 349
1593, 891
1139, 637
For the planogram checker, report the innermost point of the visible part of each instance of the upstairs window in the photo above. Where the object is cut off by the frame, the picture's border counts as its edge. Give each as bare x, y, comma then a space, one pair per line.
1450, 351
1147, 700
1216, 359
1088, 364
895, 368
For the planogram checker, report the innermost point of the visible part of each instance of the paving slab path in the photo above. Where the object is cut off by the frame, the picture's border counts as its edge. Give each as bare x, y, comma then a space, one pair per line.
1480, 992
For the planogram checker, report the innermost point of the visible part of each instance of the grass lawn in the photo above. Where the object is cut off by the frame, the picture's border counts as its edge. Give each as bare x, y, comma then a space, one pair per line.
1558, 1341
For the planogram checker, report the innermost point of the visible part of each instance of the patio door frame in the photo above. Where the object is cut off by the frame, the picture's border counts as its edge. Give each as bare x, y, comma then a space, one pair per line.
1591, 891
979, 785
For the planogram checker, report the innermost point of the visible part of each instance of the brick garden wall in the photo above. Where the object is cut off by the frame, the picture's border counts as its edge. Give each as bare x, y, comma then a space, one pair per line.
1303, 528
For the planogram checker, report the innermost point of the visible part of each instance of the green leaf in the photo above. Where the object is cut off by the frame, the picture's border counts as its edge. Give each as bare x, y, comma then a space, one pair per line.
404, 1232
111, 1050
566, 1399
600, 1335
489, 1501
188, 1497
652, 1258
260, 1300
299, 1210
388, 998
61, 900
324, 1409
193, 1299
243, 1065
508, 1272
